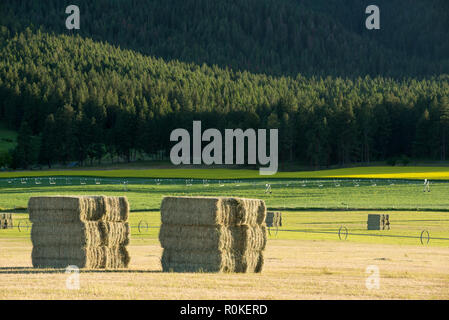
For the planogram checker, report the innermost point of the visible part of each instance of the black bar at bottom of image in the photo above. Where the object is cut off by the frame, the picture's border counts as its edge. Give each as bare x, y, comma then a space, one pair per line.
228, 309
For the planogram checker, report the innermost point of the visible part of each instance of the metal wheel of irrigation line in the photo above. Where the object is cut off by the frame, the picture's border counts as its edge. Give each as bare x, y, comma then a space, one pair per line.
424, 237
428, 237
142, 224
346, 233
275, 231
23, 225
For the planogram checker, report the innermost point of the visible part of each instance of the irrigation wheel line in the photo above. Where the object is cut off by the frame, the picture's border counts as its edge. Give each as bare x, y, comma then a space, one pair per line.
421, 237
23, 225
339, 232
346, 232
276, 230
140, 226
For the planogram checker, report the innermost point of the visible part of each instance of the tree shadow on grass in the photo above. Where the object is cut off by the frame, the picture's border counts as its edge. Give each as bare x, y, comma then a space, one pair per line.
30, 270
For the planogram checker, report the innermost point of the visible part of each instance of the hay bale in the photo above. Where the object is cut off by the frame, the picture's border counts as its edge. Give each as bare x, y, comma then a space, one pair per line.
197, 260
78, 208
386, 222
6, 221
178, 237
62, 256
89, 232
10, 221
115, 233
212, 234
378, 221
212, 261
208, 211
82, 234
274, 219
117, 257
248, 261
83, 257
248, 238
116, 209
374, 221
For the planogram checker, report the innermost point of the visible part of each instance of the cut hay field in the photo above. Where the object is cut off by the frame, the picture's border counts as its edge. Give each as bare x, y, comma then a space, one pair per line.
304, 260
294, 269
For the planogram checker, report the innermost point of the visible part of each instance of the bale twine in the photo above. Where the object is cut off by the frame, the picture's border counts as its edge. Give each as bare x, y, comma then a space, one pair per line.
212, 234
89, 232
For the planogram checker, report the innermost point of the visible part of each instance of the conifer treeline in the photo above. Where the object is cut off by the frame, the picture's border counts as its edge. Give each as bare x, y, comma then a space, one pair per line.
76, 99
275, 37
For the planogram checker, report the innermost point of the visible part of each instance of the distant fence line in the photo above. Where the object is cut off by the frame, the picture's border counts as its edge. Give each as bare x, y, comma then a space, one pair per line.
314, 183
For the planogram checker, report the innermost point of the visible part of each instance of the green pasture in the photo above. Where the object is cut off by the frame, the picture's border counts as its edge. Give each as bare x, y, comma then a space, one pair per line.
146, 195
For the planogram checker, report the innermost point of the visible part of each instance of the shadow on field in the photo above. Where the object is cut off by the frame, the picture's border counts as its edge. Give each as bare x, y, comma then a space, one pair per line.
29, 270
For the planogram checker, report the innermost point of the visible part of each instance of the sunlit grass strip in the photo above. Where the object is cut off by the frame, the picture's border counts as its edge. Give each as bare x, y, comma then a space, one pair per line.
433, 173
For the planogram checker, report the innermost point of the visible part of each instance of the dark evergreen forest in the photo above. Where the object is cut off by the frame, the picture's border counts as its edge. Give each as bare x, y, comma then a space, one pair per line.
137, 69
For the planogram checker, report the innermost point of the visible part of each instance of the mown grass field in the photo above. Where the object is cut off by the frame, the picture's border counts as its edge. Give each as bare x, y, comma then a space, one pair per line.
305, 259
146, 194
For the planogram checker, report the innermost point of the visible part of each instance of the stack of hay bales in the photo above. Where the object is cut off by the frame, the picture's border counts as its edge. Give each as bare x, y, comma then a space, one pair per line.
88, 232
386, 222
274, 219
6, 221
378, 221
212, 234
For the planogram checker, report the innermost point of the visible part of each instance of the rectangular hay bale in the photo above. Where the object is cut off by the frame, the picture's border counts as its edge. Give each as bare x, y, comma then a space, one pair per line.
274, 219
78, 208
82, 257
209, 211
212, 261
83, 234
177, 237
378, 221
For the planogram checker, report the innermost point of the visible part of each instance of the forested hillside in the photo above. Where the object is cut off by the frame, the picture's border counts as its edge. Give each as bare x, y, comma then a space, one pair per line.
85, 99
276, 37
76, 95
